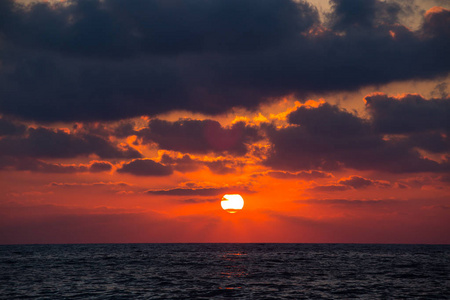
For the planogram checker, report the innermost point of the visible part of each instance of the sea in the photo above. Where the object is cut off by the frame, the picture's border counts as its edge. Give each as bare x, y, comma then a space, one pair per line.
219, 271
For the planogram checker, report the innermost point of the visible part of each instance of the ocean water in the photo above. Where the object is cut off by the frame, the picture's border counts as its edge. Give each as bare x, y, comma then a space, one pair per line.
238, 271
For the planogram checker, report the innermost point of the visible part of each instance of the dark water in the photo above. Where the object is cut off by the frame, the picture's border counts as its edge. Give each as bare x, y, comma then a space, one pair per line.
246, 271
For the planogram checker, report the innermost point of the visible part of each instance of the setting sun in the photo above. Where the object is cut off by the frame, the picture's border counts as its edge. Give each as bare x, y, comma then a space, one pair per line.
232, 203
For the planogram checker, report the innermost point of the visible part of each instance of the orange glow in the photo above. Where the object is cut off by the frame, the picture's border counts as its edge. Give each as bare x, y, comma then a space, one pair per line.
281, 206
392, 33
318, 156
433, 10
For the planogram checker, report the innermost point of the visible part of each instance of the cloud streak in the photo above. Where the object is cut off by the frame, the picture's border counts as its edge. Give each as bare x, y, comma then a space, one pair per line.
145, 167
195, 190
43, 142
40, 166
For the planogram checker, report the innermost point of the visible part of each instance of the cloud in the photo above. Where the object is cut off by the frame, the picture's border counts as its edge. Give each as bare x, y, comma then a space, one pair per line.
40, 166
302, 175
124, 129
198, 190
421, 181
43, 142
199, 200
8, 127
356, 182
349, 14
352, 182
422, 122
328, 120
331, 188
199, 136
121, 29
188, 164
113, 59
183, 164
100, 166
330, 138
440, 90
92, 184
432, 141
407, 113
145, 167
436, 22
350, 202
190, 192
223, 166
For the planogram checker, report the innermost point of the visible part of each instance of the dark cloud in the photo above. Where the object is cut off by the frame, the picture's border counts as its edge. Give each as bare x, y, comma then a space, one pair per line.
435, 141
190, 192
92, 184
419, 182
401, 185
124, 129
348, 14
356, 182
422, 122
145, 167
40, 166
43, 167
200, 136
183, 164
352, 182
113, 59
330, 138
195, 190
318, 139
223, 166
187, 164
48, 143
198, 189
100, 166
436, 23
198, 200
302, 175
328, 120
103, 130
117, 28
352, 13
440, 90
8, 127
408, 113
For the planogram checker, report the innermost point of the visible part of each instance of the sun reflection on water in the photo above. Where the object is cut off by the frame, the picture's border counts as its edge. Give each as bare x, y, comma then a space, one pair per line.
235, 265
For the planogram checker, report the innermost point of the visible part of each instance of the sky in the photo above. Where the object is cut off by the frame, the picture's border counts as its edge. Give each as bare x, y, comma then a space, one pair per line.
127, 121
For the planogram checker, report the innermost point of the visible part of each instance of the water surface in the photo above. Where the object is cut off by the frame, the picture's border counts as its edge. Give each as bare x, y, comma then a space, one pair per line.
204, 271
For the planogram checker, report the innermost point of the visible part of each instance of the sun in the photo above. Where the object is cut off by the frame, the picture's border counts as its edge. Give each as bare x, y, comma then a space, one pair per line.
232, 203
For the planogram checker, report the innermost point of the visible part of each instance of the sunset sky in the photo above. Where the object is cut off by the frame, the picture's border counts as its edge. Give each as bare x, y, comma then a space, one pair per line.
126, 121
